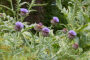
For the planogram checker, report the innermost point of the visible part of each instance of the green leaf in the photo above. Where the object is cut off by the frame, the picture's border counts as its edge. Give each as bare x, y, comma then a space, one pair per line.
39, 4
7, 8
59, 5
81, 28
23, 3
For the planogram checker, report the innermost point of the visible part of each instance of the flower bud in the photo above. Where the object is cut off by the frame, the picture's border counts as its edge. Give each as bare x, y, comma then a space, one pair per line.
64, 30
38, 27
75, 45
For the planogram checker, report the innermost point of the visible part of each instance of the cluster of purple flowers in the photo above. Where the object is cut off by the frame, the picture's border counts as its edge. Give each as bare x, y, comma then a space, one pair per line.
19, 25
45, 30
39, 27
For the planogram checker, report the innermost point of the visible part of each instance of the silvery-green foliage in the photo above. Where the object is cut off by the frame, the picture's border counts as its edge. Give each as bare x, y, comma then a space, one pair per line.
78, 19
25, 45
16, 9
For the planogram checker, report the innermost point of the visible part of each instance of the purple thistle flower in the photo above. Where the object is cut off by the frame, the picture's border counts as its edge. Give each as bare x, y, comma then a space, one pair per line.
72, 34
45, 31
55, 20
23, 11
18, 26
75, 45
